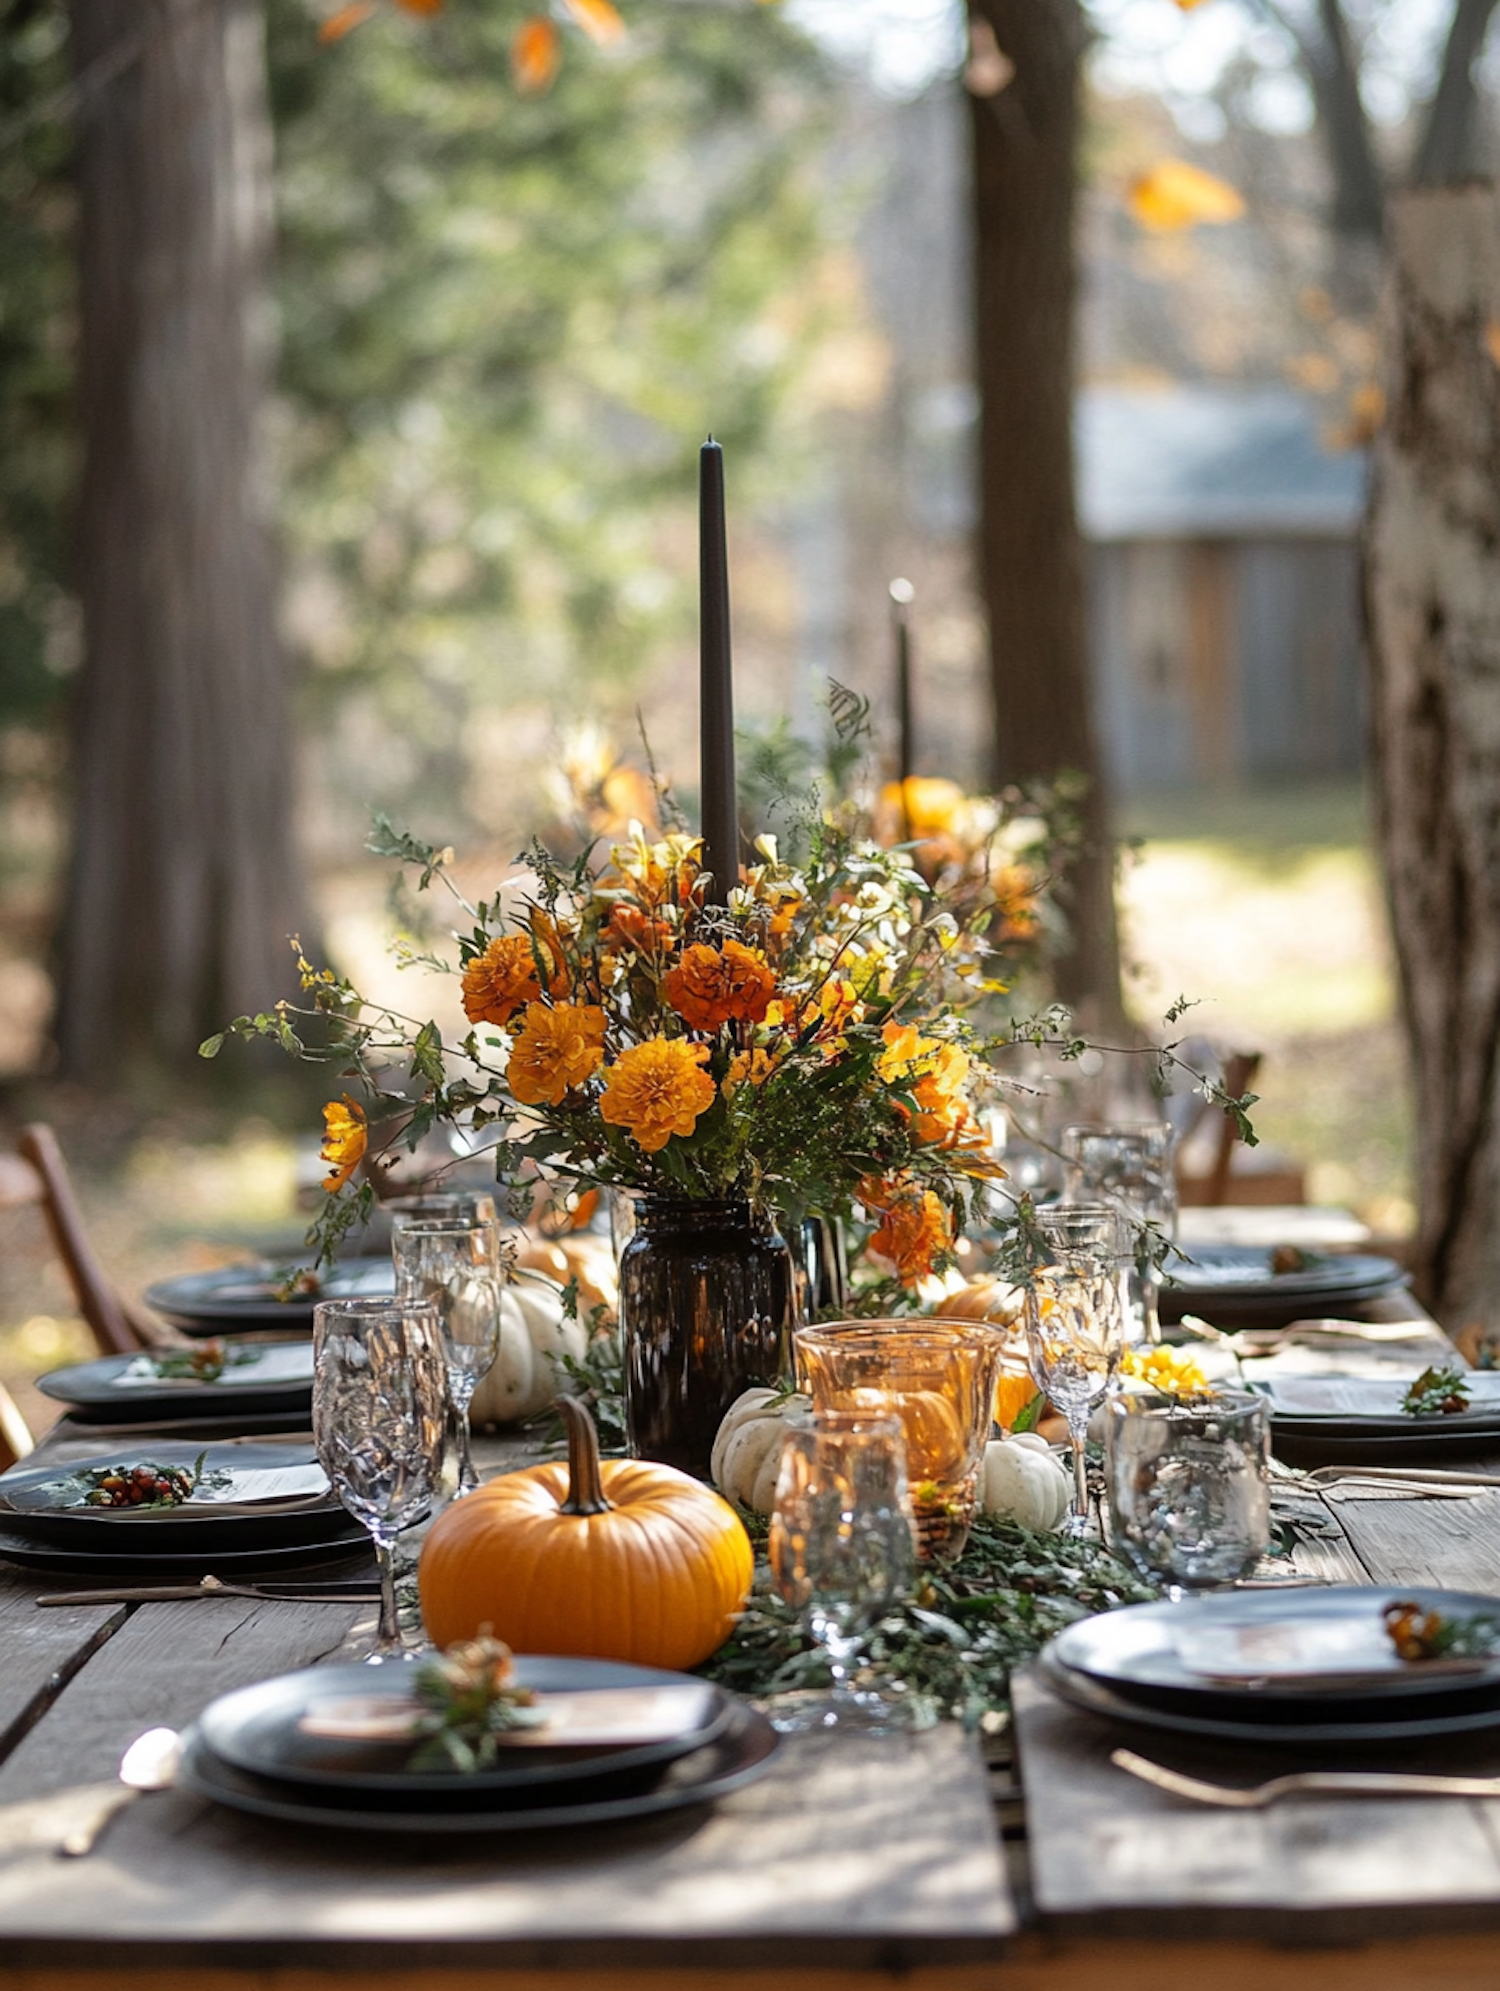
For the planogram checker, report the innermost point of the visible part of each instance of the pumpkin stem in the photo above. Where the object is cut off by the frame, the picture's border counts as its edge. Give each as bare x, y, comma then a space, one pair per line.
585, 1480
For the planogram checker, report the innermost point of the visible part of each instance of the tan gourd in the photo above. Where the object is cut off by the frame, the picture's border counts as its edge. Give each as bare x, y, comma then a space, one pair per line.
747, 1451
528, 1371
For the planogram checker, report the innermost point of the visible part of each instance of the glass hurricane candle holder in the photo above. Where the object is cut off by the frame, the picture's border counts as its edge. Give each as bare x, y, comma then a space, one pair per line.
938, 1377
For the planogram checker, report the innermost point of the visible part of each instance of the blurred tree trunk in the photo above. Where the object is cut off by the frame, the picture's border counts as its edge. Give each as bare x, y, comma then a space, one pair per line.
1432, 605
182, 889
1031, 561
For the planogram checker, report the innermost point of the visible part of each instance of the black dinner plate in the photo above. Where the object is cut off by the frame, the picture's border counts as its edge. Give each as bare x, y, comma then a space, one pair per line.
1135, 1652
242, 1299
277, 1381
1233, 1285
340, 1550
742, 1751
1081, 1690
255, 1729
30, 1495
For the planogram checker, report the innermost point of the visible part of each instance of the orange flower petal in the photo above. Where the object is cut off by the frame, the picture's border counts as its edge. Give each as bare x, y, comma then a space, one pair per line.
599, 20
345, 20
534, 55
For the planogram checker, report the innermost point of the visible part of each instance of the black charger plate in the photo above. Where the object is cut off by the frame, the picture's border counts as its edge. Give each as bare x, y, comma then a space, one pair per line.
741, 1752
196, 1530
100, 1392
1233, 1286
1083, 1691
1133, 1652
242, 1299
255, 1730
338, 1551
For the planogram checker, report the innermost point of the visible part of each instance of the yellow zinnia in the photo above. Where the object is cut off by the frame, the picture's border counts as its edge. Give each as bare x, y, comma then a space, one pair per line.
555, 1050
657, 1089
345, 1138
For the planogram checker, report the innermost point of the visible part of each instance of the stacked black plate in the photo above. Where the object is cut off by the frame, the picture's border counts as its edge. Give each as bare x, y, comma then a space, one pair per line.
251, 1751
247, 1299
260, 1380
1234, 1285
1302, 1667
226, 1528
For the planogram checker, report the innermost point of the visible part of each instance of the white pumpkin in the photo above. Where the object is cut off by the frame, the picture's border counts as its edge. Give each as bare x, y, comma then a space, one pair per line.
528, 1371
1024, 1482
746, 1457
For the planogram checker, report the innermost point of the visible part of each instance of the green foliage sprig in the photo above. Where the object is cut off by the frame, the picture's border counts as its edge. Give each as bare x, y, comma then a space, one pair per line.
949, 1652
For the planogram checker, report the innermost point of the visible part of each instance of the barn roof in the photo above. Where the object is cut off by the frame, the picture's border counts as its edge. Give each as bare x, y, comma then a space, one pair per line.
1196, 461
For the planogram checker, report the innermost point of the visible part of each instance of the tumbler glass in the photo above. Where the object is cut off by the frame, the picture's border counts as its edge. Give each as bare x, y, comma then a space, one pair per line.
1189, 1485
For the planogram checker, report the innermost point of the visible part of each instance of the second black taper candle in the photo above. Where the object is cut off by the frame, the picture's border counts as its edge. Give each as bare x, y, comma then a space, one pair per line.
719, 813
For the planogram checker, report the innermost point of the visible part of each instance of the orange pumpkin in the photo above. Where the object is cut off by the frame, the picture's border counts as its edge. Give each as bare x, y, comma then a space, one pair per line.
612, 1559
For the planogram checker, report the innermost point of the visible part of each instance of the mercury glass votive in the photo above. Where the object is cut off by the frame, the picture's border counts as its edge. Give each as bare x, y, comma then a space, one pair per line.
938, 1377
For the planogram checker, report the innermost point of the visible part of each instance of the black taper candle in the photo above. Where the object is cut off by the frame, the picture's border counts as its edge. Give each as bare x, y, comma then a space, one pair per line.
719, 811
902, 596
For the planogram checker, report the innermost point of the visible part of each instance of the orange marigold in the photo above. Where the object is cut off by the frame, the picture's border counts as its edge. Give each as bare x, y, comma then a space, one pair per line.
713, 985
345, 1138
657, 1089
913, 1233
748, 1068
556, 1049
504, 979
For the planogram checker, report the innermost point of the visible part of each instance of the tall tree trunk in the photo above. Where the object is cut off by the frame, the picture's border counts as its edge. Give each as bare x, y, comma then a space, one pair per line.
182, 889
1031, 564
1333, 72
1450, 141
1432, 606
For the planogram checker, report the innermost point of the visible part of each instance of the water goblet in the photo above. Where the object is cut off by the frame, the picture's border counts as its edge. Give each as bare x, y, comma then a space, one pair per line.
841, 1549
379, 1405
1075, 1324
454, 1265
1189, 1486
1128, 1167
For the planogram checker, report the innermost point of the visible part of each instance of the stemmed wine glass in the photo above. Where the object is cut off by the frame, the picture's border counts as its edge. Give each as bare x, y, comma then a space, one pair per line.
1128, 1167
841, 1548
1075, 1323
454, 1266
379, 1406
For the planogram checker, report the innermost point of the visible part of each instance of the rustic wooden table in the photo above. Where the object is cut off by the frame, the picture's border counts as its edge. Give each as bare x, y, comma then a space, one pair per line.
854, 1862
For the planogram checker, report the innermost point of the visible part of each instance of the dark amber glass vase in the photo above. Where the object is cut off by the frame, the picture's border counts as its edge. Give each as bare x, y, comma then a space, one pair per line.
706, 1307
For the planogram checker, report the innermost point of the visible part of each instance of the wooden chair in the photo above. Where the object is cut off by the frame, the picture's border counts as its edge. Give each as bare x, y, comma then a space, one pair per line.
16, 1440
118, 1328
1218, 1183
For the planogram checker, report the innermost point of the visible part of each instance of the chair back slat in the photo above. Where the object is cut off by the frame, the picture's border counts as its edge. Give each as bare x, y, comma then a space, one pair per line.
92, 1291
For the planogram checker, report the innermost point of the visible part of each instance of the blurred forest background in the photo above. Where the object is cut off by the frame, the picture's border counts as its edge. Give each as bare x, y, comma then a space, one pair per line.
499, 321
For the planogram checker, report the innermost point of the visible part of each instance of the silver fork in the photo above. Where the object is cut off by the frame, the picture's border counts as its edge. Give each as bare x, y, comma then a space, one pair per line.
1317, 1783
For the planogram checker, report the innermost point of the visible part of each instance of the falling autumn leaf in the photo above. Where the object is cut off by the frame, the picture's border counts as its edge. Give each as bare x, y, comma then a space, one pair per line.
534, 55
345, 20
1175, 195
598, 19
421, 6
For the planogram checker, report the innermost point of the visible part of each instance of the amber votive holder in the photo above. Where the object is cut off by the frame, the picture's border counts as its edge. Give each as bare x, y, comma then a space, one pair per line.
938, 1377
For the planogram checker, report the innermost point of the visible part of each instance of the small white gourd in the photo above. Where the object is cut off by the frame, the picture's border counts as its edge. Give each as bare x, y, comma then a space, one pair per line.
746, 1455
528, 1372
1024, 1482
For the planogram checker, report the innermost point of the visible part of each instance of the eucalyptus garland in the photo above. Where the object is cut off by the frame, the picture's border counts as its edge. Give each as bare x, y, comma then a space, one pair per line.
948, 1651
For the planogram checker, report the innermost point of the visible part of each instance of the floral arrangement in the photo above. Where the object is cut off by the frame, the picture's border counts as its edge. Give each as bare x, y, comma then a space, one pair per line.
807, 1045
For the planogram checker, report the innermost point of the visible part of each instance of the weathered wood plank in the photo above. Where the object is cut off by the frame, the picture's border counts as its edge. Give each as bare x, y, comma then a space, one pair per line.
42, 1650
1455, 1543
1107, 1850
